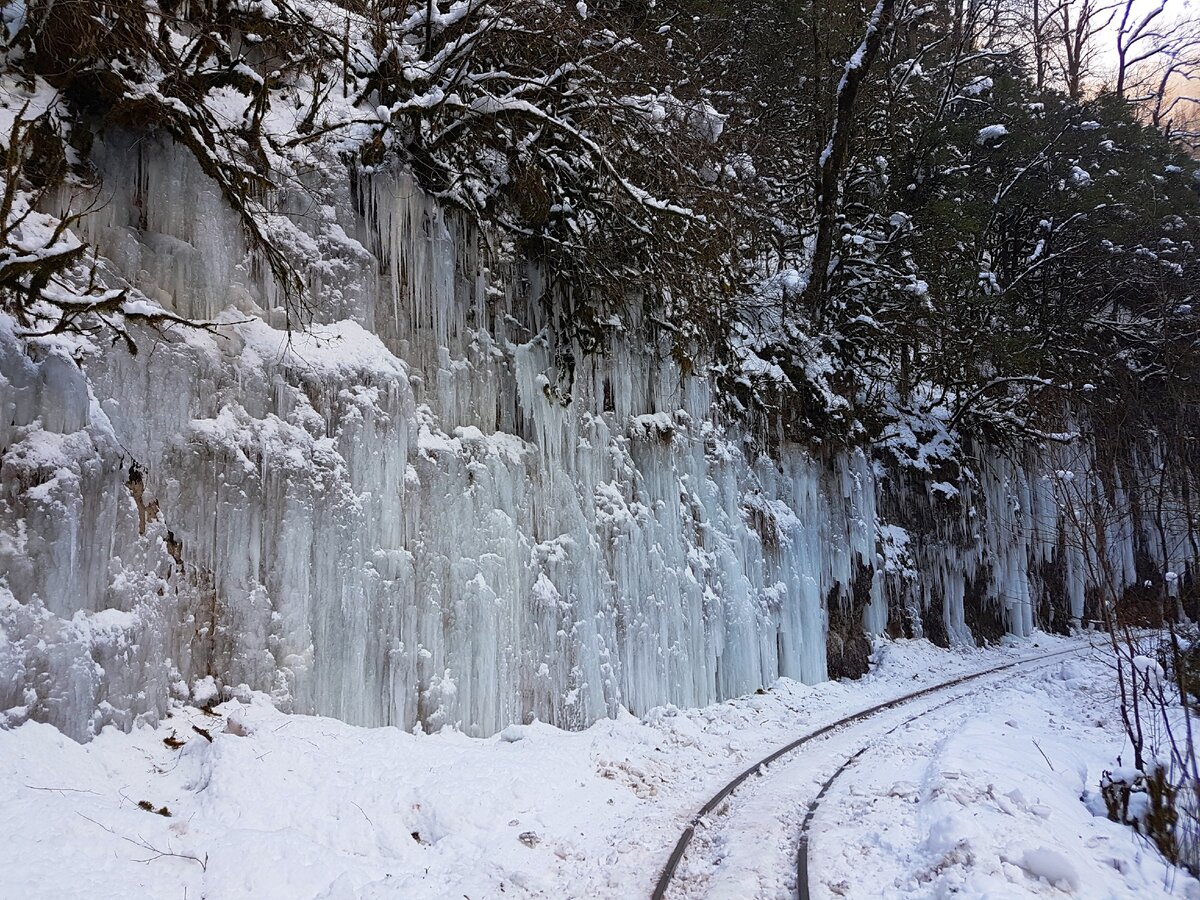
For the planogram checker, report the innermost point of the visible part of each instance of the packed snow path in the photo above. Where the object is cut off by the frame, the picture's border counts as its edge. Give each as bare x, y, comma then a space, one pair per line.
784, 761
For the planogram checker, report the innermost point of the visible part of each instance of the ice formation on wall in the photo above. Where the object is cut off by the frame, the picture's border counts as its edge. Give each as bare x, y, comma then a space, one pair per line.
410, 513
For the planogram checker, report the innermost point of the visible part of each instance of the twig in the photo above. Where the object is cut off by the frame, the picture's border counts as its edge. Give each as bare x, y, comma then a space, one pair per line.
34, 787
365, 816
144, 845
204, 733
1044, 756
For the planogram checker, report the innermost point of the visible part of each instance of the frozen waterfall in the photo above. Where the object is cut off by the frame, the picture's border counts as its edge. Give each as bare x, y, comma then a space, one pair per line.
412, 513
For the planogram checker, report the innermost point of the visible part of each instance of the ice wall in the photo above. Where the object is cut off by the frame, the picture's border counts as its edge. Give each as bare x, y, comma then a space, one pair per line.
423, 511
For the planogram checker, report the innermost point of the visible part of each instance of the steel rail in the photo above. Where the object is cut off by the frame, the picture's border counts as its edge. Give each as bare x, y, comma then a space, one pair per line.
685, 839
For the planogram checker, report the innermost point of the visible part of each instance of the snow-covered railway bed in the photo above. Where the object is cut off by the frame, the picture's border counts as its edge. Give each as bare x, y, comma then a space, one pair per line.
870, 792
993, 796
740, 841
248, 801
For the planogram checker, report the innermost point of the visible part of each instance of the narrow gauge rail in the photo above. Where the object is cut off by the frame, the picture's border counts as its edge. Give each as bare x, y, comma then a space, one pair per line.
685, 839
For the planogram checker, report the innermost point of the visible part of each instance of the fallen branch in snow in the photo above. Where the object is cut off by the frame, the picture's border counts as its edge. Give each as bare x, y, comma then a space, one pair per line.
145, 845
203, 733
34, 787
1044, 756
364, 814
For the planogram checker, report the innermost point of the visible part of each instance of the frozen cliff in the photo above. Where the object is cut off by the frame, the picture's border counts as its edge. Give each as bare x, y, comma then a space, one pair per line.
427, 508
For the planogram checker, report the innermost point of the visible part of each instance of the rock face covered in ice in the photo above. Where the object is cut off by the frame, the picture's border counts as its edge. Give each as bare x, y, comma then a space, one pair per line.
419, 512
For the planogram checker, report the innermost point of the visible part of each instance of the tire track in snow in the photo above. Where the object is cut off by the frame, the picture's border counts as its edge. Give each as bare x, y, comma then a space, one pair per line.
759, 768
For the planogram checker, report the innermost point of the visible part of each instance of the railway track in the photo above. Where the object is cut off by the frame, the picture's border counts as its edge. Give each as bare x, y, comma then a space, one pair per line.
701, 817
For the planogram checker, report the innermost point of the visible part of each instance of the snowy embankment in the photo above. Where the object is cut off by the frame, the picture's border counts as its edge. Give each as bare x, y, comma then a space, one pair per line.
993, 797
247, 801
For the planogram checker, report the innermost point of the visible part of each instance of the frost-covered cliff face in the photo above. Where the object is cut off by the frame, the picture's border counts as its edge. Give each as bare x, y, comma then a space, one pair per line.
412, 514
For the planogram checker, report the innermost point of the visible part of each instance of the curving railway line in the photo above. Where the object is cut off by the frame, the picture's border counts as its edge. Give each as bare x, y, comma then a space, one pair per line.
711, 815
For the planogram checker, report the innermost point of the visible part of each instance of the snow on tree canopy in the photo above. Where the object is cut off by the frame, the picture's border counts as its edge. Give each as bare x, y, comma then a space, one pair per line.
991, 134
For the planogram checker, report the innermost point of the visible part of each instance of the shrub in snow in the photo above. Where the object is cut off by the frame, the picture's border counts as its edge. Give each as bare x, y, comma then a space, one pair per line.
1147, 801
204, 692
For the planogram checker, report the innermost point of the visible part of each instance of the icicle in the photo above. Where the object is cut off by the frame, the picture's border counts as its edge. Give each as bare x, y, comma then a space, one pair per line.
414, 512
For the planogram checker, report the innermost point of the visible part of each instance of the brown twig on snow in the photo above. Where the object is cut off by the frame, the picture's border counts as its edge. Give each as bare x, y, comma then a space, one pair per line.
145, 845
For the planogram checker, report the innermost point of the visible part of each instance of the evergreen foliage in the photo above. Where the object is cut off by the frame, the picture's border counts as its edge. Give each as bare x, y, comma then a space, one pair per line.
994, 257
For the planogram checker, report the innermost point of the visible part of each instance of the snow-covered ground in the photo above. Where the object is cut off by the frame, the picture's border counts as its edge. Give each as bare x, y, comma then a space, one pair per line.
984, 801
979, 798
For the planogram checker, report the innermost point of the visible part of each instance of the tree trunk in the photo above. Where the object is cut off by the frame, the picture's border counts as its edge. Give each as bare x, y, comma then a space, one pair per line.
837, 151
